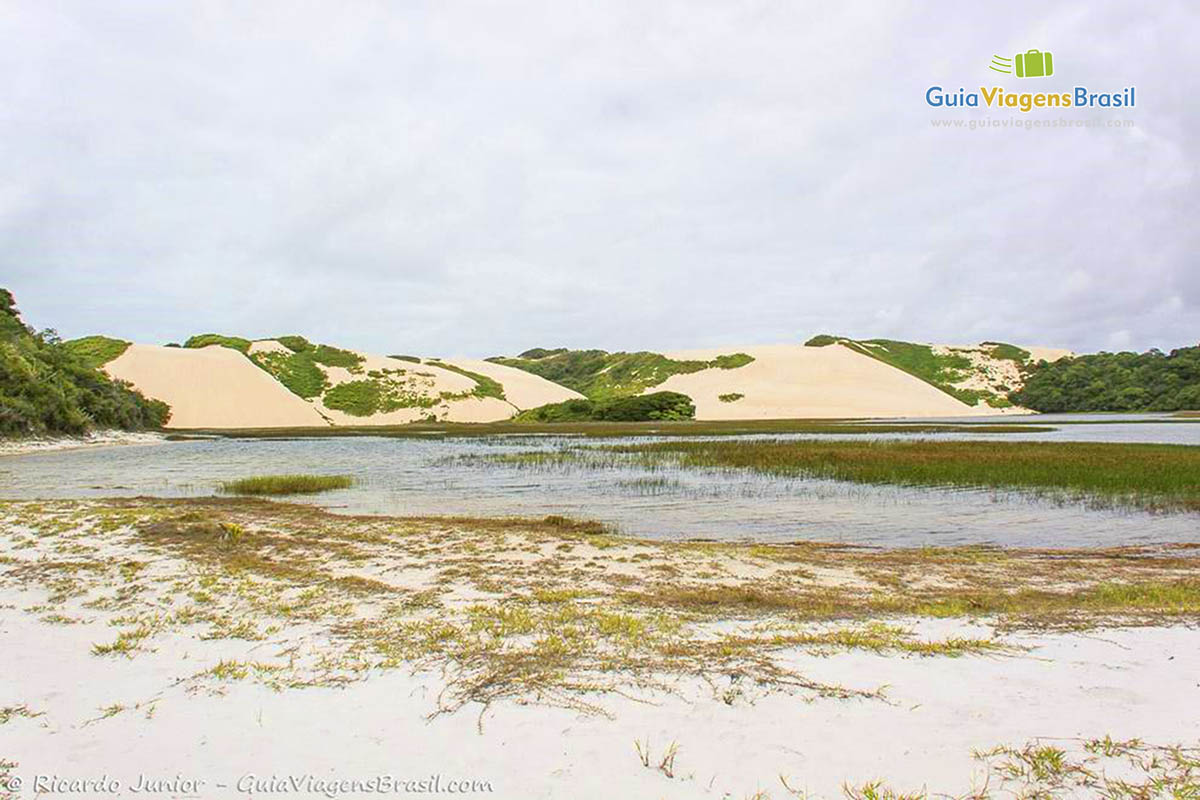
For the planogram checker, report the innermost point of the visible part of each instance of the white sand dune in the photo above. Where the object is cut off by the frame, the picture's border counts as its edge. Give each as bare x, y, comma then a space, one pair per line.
792, 381
212, 387
217, 387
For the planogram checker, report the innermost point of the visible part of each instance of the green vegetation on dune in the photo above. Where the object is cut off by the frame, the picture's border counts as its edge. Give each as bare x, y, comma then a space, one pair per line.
298, 371
1158, 477
48, 387
484, 386
639, 408
1009, 352
207, 339
731, 397
942, 370
287, 484
96, 351
1151, 381
600, 375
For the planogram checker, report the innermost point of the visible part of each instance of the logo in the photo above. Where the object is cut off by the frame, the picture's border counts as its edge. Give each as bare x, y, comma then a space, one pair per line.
1030, 64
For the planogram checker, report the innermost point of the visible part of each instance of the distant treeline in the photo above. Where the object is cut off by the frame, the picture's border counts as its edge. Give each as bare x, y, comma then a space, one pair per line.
47, 386
1152, 381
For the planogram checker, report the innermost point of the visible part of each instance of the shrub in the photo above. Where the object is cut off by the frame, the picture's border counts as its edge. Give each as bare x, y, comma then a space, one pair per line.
822, 340
732, 397
640, 408
207, 339
297, 371
296, 344
413, 359
732, 361
96, 351
335, 357
48, 387
358, 398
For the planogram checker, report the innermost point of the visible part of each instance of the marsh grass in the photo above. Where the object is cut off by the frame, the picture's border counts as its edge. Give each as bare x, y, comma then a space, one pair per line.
1147, 476
287, 484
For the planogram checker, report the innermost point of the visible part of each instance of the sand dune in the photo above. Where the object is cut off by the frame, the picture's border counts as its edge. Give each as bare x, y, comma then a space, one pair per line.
212, 387
793, 381
218, 387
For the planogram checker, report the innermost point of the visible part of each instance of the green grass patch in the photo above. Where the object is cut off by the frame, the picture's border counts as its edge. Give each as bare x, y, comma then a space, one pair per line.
287, 484
484, 386
731, 397
298, 371
600, 375
1139, 475
96, 351
207, 339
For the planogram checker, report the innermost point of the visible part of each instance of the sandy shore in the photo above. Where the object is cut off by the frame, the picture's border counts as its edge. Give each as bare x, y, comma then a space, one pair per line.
12, 447
212, 641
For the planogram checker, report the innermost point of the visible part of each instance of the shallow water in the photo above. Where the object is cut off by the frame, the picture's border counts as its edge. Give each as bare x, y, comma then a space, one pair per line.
408, 476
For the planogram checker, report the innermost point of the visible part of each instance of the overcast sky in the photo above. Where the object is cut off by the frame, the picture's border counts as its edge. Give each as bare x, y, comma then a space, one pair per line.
471, 178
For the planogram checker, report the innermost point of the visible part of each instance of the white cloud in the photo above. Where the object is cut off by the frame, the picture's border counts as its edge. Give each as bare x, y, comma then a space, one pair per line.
451, 177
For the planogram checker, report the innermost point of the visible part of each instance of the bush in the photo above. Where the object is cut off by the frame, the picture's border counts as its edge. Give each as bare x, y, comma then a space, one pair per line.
641, 408
207, 339
822, 340
358, 398
49, 387
297, 344
732, 397
96, 351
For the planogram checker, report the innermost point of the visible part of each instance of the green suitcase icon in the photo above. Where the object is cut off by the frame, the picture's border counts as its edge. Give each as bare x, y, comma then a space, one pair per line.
1035, 64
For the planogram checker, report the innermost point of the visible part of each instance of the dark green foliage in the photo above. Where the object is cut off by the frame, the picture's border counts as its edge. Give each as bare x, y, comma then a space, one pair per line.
645, 407
206, 339
1151, 381
484, 386
294, 343
639, 408
413, 359
822, 340
732, 397
541, 352
47, 387
600, 375
172, 344
732, 361
96, 351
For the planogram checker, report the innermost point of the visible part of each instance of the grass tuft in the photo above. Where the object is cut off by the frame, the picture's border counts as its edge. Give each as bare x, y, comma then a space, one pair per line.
287, 484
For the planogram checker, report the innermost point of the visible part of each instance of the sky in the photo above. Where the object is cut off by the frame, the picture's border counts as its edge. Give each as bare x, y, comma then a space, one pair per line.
451, 178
